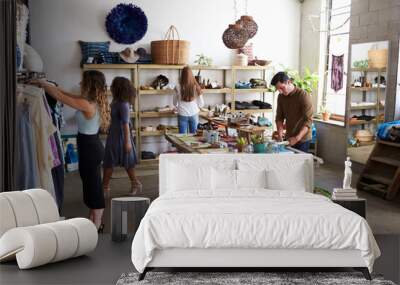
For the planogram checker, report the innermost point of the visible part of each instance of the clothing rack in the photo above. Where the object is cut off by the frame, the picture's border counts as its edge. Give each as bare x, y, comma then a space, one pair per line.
41, 155
25, 76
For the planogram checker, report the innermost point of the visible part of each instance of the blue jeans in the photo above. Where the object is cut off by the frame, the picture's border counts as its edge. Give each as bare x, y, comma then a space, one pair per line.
302, 146
188, 121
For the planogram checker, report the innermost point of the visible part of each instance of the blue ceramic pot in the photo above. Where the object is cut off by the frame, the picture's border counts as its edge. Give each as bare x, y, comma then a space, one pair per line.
259, 148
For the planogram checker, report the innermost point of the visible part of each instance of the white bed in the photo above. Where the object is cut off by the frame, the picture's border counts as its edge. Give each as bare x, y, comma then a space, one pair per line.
247, 211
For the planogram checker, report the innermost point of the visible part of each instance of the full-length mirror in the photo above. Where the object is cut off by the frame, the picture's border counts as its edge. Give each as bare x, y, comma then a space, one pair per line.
366, 97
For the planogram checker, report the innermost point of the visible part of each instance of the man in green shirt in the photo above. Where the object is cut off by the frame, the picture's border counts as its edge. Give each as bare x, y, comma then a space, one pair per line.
295, 110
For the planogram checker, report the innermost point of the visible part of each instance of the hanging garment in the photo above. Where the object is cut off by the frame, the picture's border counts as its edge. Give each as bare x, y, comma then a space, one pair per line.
58, 177
52, 140
43, 129
27, 168
337, 72
58, 171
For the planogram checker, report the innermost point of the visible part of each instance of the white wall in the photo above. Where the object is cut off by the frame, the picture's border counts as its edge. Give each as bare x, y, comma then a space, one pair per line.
310, 40
57, 25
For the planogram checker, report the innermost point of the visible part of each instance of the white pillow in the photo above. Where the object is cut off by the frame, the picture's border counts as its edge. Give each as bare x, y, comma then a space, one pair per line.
293, 178
184, 177
224, 179
251, 178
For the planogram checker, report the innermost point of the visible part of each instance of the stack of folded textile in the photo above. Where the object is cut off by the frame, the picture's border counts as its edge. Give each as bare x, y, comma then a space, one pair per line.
344, 194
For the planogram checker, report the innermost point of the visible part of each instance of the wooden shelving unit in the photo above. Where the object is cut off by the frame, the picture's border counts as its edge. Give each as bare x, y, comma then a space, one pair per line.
157, 114
376, 107
255, 111
156, 133
365, 107
157, 92
381, 174
138, 116
362, 122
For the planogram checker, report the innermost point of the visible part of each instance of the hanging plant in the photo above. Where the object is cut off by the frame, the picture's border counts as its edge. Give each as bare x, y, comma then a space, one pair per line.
249, 25
235, 36
126, 24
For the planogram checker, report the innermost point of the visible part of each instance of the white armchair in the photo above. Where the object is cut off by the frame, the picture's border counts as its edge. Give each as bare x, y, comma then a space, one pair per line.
31, 230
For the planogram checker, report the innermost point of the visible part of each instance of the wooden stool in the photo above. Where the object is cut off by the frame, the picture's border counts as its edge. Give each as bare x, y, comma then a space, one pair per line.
124, 210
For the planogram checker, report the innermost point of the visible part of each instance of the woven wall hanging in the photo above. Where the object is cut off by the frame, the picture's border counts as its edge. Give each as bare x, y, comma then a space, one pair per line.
126, 24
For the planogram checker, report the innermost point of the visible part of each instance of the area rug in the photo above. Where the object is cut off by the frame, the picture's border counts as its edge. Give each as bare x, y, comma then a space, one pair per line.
244, 278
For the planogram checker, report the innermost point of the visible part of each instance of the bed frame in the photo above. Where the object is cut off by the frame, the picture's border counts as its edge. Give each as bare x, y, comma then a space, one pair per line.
242, 259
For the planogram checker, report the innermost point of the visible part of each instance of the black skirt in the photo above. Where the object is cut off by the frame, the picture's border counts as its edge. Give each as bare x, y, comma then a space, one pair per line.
91, 153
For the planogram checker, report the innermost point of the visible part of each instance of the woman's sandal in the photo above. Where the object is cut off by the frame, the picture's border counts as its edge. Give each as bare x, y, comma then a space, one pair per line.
107, 192
136, 187
100, 230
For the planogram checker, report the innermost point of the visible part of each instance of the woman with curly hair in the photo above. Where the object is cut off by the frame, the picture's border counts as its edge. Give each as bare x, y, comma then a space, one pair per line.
120, 147
92, 115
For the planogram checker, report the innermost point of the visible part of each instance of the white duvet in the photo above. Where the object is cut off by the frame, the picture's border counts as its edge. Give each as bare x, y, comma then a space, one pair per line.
250, 219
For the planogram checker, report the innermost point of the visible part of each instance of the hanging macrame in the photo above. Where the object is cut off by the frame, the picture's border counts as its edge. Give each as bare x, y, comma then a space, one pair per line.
235, 36
249, 25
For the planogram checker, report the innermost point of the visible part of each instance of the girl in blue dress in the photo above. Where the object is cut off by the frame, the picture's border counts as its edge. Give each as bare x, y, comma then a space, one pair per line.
120, 148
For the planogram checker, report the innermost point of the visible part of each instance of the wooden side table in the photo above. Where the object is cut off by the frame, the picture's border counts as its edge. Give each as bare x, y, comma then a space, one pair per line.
126, 210
357, 206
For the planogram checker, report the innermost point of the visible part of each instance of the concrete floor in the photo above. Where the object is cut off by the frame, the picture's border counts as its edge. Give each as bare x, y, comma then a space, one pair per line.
360, 154
110, 260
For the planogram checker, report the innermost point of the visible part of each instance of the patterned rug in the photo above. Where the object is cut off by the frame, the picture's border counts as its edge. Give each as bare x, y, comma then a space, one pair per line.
244, 278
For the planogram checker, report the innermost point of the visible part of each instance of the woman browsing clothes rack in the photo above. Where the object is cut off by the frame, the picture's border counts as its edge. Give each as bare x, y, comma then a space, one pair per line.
92, 115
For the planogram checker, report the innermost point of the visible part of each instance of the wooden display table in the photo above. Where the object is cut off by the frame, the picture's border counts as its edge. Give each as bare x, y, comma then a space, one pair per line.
184, 147
243, 131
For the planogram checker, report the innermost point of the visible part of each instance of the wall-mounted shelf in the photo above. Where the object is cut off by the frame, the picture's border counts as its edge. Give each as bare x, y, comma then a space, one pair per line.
157, 114
368, 70
363, 107
255, 111
365, 89
252, 90
109, 66
157, 92
362, 122
217, 91
156, 133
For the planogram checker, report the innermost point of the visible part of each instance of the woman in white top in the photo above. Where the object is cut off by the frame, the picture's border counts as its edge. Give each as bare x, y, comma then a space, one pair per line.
188, 99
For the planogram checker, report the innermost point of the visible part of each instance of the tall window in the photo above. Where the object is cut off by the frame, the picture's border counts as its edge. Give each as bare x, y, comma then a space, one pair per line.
334, 57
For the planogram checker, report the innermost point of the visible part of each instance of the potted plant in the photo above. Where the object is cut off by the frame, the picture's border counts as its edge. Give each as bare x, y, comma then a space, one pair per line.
201, 60
325, 113
258, 143
241, 144
363, 66
307, 82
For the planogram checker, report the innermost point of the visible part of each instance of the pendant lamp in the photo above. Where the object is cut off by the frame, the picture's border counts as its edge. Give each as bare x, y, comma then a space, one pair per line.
235, 36
249, 25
